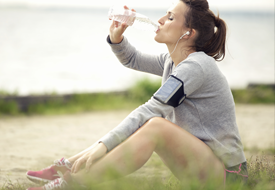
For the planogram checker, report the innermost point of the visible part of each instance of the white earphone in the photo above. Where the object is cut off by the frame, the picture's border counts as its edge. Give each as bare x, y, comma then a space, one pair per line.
187, 33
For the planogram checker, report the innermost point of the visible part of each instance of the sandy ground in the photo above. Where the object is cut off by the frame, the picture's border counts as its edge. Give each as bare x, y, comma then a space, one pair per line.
34, 142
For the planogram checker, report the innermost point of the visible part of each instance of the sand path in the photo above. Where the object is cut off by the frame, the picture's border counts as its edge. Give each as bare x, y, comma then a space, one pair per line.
32, 142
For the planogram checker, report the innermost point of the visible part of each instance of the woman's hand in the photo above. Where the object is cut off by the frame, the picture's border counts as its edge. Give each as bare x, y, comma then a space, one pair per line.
88, 159
117, 29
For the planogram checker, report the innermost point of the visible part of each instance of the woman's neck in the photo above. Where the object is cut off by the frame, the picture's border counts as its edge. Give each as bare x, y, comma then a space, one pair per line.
180, 54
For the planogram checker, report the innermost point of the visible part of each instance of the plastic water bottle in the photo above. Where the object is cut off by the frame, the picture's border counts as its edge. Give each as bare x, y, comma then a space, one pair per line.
139, 21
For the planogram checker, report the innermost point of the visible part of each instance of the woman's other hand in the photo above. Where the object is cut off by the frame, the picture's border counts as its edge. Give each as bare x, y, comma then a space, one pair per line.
89, 158
117, 29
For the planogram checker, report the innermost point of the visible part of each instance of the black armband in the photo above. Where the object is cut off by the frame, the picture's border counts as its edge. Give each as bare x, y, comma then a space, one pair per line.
171, 92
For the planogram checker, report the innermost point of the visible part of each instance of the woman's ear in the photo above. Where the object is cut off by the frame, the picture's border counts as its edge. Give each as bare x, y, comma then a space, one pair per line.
193, 34
189, 34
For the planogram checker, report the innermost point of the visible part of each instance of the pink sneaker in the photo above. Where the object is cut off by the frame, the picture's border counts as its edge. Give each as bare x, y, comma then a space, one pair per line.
50, 173
57, 184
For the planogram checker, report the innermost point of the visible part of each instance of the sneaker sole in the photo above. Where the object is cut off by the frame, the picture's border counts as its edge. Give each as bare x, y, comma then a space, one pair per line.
37, 179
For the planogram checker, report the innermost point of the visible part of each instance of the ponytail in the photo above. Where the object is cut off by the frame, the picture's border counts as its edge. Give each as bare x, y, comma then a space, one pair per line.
210, 28
216, 45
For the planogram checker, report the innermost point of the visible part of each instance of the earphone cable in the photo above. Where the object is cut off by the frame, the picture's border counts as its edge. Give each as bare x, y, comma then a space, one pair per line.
175, 46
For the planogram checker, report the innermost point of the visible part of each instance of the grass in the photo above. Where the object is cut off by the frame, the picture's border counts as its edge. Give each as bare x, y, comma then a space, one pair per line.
132, 98
74, 104
81, 103
8, 108
9, 185
256, 150
263, 94
262, 171
261, 177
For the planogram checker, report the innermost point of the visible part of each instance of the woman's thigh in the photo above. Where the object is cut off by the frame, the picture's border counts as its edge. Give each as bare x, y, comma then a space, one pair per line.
185, 154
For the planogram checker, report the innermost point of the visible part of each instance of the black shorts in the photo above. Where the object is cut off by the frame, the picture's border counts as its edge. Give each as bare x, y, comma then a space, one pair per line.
236, 174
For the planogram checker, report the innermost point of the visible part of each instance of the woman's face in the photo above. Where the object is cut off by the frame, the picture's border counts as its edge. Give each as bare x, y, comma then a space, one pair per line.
172, 24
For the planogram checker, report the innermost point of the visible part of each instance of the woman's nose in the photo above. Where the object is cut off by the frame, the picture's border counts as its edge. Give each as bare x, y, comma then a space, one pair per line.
160, 21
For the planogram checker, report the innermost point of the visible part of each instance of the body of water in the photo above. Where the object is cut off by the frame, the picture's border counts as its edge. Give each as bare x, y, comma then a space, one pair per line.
65, 50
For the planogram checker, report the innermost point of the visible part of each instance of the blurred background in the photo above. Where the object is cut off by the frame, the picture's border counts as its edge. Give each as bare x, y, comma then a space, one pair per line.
57, 49
60, 45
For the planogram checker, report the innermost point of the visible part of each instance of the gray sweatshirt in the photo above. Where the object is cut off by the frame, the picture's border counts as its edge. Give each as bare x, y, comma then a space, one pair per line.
208, 112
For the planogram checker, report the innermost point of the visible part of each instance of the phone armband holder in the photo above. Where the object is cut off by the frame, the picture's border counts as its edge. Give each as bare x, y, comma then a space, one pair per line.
171, 92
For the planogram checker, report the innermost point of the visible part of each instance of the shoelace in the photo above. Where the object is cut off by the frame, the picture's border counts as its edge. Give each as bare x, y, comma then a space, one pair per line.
57, 183
59, 162
63, 162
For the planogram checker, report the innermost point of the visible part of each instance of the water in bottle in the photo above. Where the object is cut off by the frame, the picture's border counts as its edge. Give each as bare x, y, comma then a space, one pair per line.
139, 21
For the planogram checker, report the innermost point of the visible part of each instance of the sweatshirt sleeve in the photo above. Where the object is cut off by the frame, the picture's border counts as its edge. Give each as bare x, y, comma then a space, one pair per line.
134, 59
134, 121
192, 76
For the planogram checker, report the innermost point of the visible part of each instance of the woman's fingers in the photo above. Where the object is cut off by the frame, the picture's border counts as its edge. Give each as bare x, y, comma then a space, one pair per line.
117, 29
73, 167
77, 164
89, 163
123, 25
116, 24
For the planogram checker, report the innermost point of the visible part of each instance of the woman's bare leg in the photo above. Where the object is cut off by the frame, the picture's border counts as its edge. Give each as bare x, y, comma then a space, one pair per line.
180, 151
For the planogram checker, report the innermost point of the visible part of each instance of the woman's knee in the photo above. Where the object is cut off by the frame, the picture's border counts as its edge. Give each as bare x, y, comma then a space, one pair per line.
159, 126
153, 125
157, 123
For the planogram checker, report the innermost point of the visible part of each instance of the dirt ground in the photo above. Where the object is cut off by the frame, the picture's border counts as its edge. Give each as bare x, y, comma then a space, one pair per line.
33, 142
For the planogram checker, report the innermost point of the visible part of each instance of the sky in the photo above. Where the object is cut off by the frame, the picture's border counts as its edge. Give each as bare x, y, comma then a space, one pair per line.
214, 4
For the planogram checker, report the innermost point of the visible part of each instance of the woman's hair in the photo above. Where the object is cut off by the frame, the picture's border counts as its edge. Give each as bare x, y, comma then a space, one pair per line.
211, 29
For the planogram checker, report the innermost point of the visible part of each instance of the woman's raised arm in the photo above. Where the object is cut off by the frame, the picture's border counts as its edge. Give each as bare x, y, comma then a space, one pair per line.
117, 29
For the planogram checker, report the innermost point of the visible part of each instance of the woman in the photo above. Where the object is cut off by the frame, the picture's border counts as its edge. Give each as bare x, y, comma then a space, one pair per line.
189, 122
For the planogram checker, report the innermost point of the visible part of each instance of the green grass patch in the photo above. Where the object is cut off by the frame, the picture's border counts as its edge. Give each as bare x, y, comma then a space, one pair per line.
256, 150
262, 172
143, 90
82, 103
9, 107
258, 94
140, 93
261, 177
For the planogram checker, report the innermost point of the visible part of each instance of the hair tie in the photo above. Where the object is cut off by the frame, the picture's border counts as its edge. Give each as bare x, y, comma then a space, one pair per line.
217, 21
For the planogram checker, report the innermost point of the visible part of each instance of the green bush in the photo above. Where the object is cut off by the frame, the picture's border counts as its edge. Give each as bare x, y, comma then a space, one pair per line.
143, 90
81, 103
8, 107
262, 94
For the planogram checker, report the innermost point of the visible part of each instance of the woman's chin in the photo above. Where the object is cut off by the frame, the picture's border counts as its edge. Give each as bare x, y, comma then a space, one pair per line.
158, 39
